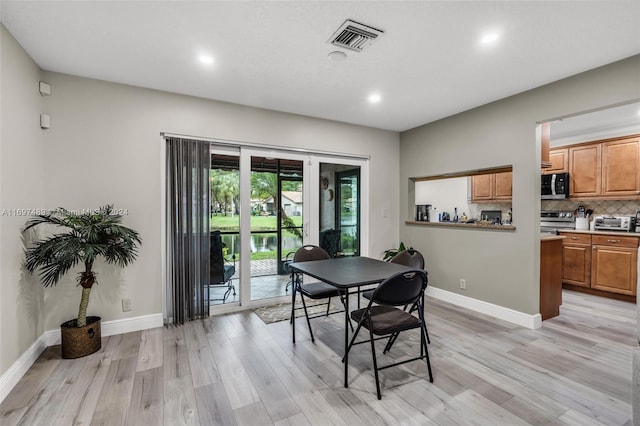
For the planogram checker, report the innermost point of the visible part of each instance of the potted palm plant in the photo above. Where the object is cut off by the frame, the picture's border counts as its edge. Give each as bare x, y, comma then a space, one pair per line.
87, 237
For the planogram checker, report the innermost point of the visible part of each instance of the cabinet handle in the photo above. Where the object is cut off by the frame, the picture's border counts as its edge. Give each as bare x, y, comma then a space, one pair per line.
574, 238
613, 241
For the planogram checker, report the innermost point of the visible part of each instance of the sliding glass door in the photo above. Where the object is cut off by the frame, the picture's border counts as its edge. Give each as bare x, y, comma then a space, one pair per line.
265, 204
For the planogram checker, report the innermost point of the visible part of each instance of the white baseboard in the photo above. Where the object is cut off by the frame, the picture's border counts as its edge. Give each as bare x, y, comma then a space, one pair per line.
52, 337
516, 317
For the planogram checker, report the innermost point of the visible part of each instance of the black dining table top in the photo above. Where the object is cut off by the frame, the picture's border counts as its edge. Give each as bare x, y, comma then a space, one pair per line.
347, 272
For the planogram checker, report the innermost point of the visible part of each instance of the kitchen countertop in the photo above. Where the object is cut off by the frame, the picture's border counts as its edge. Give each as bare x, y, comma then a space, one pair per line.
551, 237
616, 233
463, 225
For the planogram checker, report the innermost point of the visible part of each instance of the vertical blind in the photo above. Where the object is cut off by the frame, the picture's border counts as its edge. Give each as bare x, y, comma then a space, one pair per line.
188, 245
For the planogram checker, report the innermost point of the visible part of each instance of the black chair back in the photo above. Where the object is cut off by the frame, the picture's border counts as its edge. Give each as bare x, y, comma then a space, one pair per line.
402, 288
310, 252
217, 259
410, 257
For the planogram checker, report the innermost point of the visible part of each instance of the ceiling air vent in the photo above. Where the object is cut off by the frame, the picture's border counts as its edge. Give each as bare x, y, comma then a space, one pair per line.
354, 36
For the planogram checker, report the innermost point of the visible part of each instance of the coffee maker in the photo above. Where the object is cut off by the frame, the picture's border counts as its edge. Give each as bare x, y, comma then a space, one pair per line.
422, 212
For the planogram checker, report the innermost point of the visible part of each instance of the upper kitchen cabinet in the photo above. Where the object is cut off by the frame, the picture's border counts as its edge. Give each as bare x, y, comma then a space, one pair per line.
491, 187
621, 167
585, 162
503, 188
606, 169
558, 160
482, 187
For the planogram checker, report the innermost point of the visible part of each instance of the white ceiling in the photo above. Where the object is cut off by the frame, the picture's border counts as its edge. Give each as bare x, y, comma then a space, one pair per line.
427, 65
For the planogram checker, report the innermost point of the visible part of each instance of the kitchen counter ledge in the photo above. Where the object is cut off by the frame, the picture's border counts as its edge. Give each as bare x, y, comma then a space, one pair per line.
616, 233
462, 225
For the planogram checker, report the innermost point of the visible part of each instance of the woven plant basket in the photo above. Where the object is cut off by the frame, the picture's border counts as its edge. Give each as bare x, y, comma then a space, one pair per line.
80, 341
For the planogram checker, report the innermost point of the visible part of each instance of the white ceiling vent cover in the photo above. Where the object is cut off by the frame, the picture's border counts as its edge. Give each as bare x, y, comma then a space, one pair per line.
354, 36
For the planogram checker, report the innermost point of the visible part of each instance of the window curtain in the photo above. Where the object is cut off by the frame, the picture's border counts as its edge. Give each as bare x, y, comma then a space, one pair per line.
188, 165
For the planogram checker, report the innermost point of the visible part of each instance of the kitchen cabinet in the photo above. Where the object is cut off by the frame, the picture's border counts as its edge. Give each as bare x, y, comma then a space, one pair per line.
585, 162
576, 258
605, 263
491, 187
559, 160
482, 187
503, 188
607, 169
621, 167
614, 264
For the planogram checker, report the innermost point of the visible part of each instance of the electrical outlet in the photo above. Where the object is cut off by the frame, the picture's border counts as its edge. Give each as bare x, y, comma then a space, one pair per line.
126, 305
463, 284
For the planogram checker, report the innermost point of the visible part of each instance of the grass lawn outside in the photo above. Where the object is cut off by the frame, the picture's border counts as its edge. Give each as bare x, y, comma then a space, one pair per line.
258, 223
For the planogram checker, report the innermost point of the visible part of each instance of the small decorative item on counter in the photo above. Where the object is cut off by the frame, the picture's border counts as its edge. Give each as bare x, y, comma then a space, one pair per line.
464, 217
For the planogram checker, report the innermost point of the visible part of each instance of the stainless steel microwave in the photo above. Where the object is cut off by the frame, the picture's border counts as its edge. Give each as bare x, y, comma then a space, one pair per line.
555, 186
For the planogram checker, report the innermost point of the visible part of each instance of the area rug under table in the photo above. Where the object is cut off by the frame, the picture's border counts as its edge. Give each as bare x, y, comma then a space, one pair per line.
282, 311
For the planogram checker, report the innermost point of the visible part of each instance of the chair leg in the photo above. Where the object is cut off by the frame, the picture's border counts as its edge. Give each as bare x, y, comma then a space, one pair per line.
375, 363
328, 306
423, 343
306, 314
390, 342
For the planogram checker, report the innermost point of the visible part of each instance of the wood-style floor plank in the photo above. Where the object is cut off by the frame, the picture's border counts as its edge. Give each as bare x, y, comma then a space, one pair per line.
234, 369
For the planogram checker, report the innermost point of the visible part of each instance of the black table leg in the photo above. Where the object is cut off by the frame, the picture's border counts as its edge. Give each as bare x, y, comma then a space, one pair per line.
346, 339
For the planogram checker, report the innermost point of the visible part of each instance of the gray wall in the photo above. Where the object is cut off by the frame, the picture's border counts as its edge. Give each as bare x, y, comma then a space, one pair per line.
22, 180
500, 267
104, 146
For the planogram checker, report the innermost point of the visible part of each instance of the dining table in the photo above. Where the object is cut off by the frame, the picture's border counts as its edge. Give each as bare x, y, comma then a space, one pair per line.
347, 274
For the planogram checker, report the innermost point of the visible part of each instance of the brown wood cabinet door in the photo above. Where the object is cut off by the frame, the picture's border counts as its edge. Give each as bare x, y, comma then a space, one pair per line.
559, 159
503, 186
585, 171
621, 167
576, 264
614, 269
482, 187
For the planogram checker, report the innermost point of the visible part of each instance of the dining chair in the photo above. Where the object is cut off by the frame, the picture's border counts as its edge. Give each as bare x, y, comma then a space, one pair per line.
383, 317
315, 290
414, 259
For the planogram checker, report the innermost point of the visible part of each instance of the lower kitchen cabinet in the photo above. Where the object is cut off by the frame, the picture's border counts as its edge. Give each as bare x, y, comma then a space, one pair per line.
576, 258
614, 263
607, 263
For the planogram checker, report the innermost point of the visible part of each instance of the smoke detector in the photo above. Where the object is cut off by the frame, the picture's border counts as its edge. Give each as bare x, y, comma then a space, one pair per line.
354, 36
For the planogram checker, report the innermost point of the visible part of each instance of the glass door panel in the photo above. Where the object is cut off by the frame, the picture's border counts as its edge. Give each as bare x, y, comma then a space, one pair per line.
291, 215
276, 222
348, 211
339, 206
224, 216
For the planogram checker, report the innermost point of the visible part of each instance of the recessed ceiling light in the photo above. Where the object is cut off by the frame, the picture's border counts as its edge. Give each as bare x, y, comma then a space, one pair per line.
374, 98
205, 59
337, 56
489, 38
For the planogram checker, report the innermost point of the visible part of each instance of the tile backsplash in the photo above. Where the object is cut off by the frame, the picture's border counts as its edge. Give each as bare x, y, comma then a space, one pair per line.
600, 207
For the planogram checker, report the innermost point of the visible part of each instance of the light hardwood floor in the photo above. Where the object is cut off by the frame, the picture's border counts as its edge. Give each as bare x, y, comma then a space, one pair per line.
234, 369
